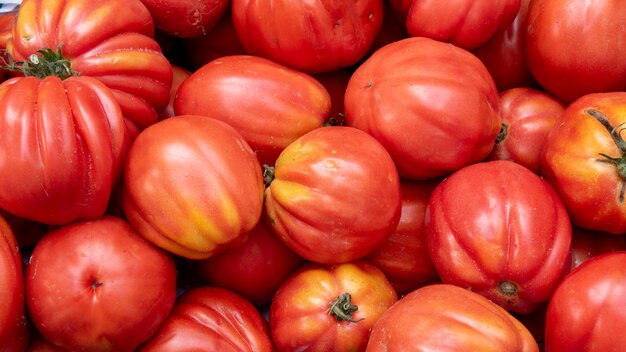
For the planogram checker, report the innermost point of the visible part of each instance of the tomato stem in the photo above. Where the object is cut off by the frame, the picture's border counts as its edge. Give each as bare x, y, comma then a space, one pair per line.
45, 62
268, 174
504, 132
507, 288
342, 308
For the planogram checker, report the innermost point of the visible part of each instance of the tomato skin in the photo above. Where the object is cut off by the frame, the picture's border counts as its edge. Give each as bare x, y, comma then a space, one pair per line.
574, 48
465, 23
586, 312
334, 34
442, 317
403, 257
192, 186
14, 332
64, 147
285, 105
186, 18
501, 231
417, 109
572, 164
299, 315
213, 319
98, 285
324, 183
115, 45
528, 115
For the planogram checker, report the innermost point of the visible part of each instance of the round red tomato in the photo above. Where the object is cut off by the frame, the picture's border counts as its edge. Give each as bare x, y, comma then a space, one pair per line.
211, 319
448, 318
576, 47
586, 312
186, 18
192, 186
500, 230
312, 36
583, 159
408, 95
98, 286
335, 195
329, 307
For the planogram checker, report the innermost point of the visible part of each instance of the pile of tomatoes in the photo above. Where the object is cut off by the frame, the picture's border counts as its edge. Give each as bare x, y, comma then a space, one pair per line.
372, 175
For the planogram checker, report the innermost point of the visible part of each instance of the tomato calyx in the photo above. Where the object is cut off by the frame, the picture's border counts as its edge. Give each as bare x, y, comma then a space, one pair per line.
504, 132
45, 62
342, 308
507, 288
619, 162
268, 175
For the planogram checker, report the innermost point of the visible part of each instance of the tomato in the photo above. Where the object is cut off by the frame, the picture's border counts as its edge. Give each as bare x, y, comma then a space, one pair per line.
403, 257
587, 244
253, 270
14, 331
329, 307
576, 47
98, 285
464, 23
63, 148
114, 44
212, 319
186, 18
503, 54
335, 195
500, 230
586, 312
444, 317
275, 104
430, 122
192, 186
583, 160
312, 36
528, 115
180, 75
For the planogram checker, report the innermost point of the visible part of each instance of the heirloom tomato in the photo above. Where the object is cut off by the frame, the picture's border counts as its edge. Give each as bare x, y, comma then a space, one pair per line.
442, 317
465, 23
335, 195
63, 147
586, 312
98, 286
528, 115
192, 186
186, 18
109, 40
584, 160
271, 105
329, 307
576, 47
211, 319
14, 332
313, 36
431, 122
500, 230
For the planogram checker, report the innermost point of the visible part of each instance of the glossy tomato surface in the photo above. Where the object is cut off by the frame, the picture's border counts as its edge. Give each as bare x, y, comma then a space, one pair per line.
500, 230
335, 195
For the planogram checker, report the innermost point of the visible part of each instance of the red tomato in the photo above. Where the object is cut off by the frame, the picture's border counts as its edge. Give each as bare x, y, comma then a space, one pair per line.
583, 160
464, 23
528, 115
448, 318
329, 307
431, 122
13, 325
63, 148
403, 257
500, 230
186, 18
253, 270
503, 54
335, 195
586, 312
98, 286
114, 45
312, 36
587, 244
576, 47
274, 105
180, 75
212, 319
192, 186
